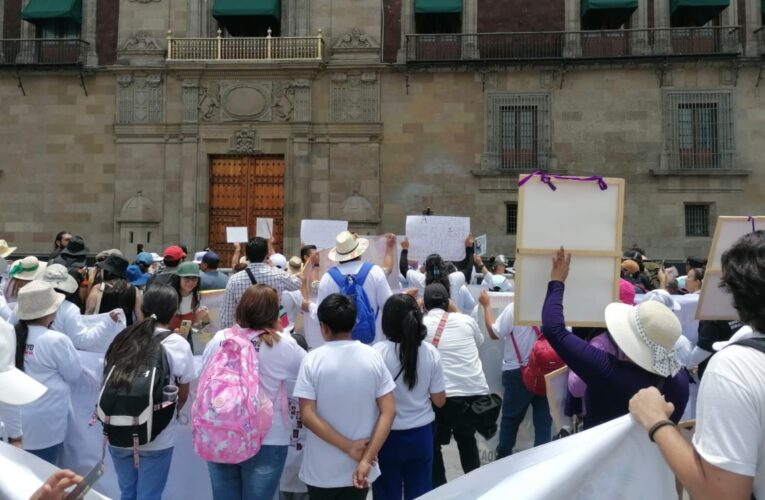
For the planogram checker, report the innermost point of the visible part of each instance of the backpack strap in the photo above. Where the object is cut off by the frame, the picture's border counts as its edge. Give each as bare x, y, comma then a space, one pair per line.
440, 329
337, 276
538, 332
361, 276
757, 343
252, 276
517, 351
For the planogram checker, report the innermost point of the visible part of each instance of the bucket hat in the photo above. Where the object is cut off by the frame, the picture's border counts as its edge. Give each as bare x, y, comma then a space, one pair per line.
115, 265
38, 299
59, 278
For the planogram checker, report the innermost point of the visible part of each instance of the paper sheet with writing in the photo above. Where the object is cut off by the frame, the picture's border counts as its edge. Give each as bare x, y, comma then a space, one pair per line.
236, 235
264, 227
321, 233
429, 234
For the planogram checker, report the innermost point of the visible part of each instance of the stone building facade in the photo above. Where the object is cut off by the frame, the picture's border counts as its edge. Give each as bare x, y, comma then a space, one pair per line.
161, 129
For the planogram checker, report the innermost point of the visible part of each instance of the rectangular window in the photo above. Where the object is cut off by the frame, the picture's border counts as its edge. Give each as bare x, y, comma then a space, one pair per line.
511, 212
438, 23
697, 219
699, 130
517, 131
58, 28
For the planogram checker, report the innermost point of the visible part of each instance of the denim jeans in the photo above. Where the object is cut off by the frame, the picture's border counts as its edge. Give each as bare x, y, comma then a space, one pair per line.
254, 479
148, 481
50, 454
406, 464
514, 405
451, 421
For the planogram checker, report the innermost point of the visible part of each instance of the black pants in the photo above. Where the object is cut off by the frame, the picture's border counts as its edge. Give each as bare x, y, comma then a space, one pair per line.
345, 493
452, 421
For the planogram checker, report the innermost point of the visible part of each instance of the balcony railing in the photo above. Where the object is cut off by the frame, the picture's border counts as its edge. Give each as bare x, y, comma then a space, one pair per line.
759, 35
308, 48
42, 52
574, 45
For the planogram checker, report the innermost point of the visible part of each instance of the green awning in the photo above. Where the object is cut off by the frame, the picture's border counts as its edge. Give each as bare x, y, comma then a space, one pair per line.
38, 10
699, 4
593, 6
437, 6
242, 8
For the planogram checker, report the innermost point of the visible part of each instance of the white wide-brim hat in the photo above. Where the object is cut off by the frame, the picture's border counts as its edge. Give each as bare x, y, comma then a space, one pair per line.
37, 300
6, 250
646, 333
27, 269
348, 246
18, 387
59, 278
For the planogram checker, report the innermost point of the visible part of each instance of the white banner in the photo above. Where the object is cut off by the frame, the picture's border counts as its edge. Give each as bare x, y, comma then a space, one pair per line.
613, 460
429, 234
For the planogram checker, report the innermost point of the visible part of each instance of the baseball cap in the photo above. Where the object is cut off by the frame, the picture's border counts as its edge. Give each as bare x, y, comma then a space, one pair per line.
278, 260
211, 258
174, 252
144, 258
18, 387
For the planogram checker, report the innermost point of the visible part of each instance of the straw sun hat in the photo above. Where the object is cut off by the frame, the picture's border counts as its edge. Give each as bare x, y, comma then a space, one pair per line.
59, 278
646, 334
27, 269
348, 246
37, 300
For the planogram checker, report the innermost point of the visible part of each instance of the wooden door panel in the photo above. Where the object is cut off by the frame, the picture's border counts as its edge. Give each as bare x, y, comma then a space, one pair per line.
242, 189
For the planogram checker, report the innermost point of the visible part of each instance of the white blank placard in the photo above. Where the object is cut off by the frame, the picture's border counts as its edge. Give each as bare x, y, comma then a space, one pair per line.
236, 235
321, 233
578, 214
582, 305
264, 227
428, 234
715, 303
728, 230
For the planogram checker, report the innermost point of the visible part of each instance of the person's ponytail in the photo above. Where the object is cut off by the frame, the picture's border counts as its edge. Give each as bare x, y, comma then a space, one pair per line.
22, 334
402, 324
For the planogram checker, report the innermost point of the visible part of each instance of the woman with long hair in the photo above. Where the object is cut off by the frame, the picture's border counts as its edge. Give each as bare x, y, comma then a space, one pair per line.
115, 292
406, 458
50, 358
189, 293
279, 358
125, 356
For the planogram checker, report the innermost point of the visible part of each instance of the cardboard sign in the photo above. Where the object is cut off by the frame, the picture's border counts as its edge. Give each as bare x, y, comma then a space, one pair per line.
236, 235
264, 227
481, 245
714, 302
321, 233
429, 234
587, 221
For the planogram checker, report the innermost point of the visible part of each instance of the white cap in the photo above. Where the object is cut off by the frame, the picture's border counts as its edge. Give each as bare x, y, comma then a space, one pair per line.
156, 257
278, 260
198, 256
18, 387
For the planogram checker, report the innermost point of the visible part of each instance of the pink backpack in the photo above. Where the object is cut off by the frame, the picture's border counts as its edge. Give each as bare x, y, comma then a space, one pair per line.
231, 414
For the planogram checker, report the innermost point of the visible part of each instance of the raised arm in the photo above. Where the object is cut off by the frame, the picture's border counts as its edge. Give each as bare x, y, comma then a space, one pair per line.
390, 244
488, 317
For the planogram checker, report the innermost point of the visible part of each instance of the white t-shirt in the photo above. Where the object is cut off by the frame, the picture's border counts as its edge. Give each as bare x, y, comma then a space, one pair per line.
458, 292
182, 371
345, 378
730, 414
278, 365
525, 336
49, 358
376, 286
93, 335
312, 328
413, 407
291, 301
458, 348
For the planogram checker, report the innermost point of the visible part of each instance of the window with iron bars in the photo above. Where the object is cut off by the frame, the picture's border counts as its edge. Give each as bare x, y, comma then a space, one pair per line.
517, 131
699, 130
697, 219
511, 217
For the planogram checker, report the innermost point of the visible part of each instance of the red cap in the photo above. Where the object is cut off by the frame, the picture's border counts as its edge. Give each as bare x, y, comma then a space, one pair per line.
174, 252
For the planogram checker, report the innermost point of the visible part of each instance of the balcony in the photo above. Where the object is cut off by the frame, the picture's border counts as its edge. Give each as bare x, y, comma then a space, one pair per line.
43, 52
574, 45
264, 49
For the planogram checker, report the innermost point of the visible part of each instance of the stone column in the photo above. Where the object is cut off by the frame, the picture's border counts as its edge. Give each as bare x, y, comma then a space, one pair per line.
470, 27
572, 43
729, 17
661, 44
753, 23
88, 31
639, 39
407, 27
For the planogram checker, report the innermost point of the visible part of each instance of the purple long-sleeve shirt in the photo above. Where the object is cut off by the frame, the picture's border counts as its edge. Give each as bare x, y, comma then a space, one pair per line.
610, 382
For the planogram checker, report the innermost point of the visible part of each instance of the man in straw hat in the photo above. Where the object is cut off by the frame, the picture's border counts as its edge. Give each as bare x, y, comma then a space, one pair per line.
347, 253
727, 456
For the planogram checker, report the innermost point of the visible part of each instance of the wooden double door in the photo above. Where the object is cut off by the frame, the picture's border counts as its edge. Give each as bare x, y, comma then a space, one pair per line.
242, 189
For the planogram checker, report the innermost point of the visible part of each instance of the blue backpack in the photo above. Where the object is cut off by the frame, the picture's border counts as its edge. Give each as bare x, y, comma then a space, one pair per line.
352, 285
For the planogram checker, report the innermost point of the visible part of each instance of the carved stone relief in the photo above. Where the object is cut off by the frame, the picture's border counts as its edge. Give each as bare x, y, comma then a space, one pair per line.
209, 102
245, 101
357, 208
141, 42
140, 99
283, 101
231, 101
355, 39
244, 141
355, 97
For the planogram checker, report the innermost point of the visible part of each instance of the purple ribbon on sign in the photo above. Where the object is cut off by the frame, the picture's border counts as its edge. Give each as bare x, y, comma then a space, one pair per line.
751, 219
546, 178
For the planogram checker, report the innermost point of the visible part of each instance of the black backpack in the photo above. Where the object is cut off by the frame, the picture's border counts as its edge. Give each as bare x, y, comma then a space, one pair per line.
135, 415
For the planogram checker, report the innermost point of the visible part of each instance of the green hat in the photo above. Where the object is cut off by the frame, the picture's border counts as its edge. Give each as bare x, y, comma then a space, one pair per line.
189, 269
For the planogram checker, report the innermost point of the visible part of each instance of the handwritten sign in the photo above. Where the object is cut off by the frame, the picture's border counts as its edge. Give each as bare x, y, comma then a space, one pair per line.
264, 227
481, 245
429, 234
321, 233
236, 235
